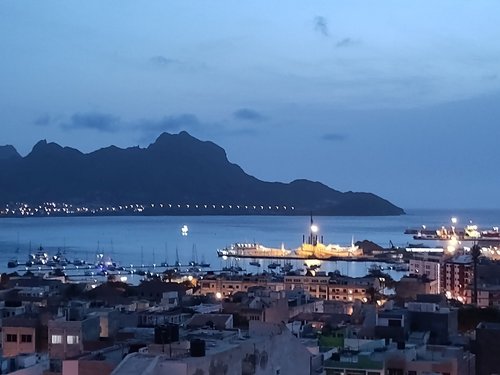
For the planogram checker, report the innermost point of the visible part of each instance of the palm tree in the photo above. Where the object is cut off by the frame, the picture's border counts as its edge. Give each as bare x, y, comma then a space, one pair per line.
476, 252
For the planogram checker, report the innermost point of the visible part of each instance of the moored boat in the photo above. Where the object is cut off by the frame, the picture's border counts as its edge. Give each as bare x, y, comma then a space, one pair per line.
273, 265
40, 258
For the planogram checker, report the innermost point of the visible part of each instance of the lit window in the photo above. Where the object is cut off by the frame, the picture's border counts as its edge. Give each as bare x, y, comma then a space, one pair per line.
70, 339
56, 339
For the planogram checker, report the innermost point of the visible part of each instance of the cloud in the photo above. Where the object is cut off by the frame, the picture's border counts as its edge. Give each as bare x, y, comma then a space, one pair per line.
93, 120
334, 137
489, 77
162, 61
321, 26
185, 121
346, 42
43, 120
247, 114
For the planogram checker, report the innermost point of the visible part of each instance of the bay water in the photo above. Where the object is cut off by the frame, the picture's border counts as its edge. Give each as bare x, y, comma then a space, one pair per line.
134, 240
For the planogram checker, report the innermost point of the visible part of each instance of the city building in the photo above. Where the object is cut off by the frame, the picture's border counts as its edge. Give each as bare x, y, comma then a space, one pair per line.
408, 287
101, 362
457, 276
69, 336
336, 288
376, 357
21, 334
427, 264
392, 324
485, 347
267, 349
440, 322
225, 285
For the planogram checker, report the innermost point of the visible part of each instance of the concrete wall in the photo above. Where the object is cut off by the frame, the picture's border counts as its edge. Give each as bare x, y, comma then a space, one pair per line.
87, 368
11, 349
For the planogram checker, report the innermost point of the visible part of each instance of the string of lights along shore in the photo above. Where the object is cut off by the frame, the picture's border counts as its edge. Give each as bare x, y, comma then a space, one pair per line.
61, 209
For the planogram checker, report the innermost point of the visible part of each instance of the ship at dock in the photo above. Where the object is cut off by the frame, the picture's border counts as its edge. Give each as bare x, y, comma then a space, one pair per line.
312, 247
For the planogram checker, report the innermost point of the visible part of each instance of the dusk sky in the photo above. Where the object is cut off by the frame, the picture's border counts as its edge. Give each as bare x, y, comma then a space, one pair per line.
398, 98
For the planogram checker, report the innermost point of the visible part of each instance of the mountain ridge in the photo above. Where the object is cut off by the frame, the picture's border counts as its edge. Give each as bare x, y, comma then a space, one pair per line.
175, 168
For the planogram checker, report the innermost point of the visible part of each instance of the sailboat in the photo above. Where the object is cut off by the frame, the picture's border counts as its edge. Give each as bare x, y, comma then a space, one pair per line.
204, 264
177, 263
194, 257
13, 263
165, 263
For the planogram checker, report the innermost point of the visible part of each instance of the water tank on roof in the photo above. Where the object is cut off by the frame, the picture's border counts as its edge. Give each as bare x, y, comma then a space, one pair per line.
165, 334
197, 348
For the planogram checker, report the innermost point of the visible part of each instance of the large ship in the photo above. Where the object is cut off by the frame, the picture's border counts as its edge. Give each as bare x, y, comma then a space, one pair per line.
253, 250
311, 248
469, 233
315, 248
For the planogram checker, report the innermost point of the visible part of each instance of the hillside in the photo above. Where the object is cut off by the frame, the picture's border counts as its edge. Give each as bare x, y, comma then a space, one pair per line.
176, 168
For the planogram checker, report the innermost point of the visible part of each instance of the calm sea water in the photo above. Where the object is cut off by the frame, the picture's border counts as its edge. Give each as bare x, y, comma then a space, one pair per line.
148, 240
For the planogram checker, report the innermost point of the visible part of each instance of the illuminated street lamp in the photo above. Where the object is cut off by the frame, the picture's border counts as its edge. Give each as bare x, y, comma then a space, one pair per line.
453, 222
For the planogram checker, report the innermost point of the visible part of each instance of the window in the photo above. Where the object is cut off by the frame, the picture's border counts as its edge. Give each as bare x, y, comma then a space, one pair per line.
11, 338
56, 339
394, 323
71, 339
26, 338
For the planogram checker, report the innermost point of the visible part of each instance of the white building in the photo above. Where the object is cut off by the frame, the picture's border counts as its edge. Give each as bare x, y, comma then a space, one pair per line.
427, 264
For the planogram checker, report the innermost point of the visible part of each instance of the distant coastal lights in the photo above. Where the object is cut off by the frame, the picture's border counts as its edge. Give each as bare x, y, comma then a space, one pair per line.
61, 209
184, 230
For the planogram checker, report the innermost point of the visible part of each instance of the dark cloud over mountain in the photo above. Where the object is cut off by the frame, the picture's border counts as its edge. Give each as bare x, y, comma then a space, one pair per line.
92, 120
43, 120
334, 137
346, 42
247, 114
185, 121
162, 61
